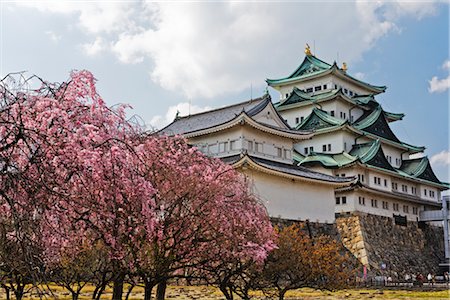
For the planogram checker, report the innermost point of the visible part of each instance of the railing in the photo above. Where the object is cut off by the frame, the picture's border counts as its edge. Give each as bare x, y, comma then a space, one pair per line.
431, 215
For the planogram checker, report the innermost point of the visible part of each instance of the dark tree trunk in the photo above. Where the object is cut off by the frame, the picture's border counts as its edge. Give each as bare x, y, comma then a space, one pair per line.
281, 294
228, 294
130, 289
148, 290
75, 295
118, 287
161, 290
8, 297
18, 292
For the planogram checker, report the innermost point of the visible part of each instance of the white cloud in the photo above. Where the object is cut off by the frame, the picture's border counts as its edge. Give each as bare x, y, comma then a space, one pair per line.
183, 109
359, 75
437, 85
94, 16
441, 159
53, 36
94, 48
209, 49
446, 65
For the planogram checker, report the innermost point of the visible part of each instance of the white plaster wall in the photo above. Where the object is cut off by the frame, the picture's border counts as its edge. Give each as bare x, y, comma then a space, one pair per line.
290, 199
337, 140
395, 153
367, 208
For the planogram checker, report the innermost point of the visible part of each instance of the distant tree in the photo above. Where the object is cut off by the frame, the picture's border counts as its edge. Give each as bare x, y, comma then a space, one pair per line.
301, 261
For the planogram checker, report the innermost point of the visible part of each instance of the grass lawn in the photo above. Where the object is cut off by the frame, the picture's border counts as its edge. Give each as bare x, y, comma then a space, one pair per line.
206, 292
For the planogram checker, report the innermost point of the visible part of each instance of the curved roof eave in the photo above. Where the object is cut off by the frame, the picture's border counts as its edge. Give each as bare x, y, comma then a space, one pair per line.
253, 164
244, 117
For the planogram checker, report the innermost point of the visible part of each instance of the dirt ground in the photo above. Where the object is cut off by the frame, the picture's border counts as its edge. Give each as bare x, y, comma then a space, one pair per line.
206, 292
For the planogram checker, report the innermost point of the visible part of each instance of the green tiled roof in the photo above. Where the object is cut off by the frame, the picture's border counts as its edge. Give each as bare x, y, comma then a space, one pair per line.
298, 96
319, 119
330, 160
312, 66
420, 168
375, 122
371, 154
297, 157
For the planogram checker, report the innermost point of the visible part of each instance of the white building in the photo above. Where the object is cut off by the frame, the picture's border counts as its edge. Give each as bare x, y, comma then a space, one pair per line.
352, 137
255, 139
324, 149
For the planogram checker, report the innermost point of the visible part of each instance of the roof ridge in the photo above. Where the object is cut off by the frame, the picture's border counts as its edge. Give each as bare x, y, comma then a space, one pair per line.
264, 97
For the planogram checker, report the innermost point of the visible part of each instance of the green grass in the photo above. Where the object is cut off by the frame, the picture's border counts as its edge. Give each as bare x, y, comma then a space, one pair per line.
206, 292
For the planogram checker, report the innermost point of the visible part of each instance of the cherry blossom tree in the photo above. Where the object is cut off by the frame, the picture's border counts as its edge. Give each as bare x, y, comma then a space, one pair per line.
205, 213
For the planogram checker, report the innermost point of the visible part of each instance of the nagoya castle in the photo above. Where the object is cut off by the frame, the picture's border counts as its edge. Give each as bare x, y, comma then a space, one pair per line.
325, 153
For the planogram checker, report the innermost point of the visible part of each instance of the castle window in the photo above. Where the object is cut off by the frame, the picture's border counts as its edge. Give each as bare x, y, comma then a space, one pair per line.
297, 120
343, 175
259, 147
362, 201
287, 95
395, 206
311, 149
309, 90
250, 146
317, 88
361, 177
329, 147
306, 150
413, 190
279, 151
335, 86
332, 113
301, 119
385, 205
425, 192
287, 153
394, 186
415, 210
324, 86
345, 91
374, 202
344, 200
405, 209
338, 200
404, 188
342, 115
324, 148
377, 180
385, 182
432, 194
233, 145
223, 147
351, 93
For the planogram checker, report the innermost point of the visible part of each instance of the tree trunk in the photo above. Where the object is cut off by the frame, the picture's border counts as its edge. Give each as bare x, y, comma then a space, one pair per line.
161, 290
281, 294
8, 297
18, 292
228, 294
130, 289
148, 290
118, 287
75, 295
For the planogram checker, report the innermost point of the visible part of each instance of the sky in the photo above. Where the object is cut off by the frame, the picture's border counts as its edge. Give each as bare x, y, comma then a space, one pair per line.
190, 56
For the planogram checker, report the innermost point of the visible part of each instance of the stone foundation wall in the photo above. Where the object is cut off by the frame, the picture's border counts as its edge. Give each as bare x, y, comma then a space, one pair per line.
376, 241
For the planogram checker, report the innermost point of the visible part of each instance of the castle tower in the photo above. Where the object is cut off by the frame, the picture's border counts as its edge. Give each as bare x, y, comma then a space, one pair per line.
352, 137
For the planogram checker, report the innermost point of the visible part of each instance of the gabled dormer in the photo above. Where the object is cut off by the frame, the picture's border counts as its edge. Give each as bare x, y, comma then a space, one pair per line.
372, 154
319, 119
419, 168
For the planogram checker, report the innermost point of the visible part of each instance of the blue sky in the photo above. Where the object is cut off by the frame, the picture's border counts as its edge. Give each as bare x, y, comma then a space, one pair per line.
164, 57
